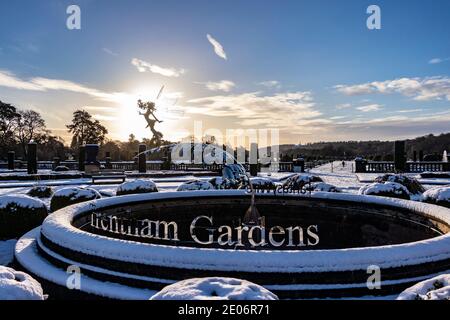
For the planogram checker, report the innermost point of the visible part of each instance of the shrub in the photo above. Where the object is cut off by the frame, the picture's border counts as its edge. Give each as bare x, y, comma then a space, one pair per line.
19, 214
322, 187
234, 176
437, 288
298, 181
16, 285
413, 186
262, 183
214, 289
386, 189
72, 195
438, 195
40, 192
136, 187
61, 169
195, 185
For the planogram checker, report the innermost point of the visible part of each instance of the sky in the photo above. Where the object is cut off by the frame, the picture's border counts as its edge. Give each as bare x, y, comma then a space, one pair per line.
311, 69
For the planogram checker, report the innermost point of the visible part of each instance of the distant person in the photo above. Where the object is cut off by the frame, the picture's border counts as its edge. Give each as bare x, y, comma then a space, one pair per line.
343, 164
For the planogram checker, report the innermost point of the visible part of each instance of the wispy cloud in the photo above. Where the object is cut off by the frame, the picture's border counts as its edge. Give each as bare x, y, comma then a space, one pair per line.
369, 108
110, 52
429, 88
438, 60
282, 110
144, 66
271, 84
408, 111
10, 80
224, 85
343, 106
218, 48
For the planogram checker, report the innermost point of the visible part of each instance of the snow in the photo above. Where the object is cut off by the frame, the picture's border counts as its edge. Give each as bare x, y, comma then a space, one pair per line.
15, 285
137, 184
386, 187
7, 251
21, 201
214, 289
59, 229
322, 186
195, 185
75, 193
28, 257
438, 194
437, 288
262, 182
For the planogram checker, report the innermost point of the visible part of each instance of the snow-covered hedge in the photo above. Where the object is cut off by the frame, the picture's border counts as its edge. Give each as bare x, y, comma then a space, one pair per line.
19, 214
61, 169
299, 180
72, 195
135, 187
413, 186
234, 177
262, 183
435, 175
214, 289
437, 288
385, 189
321, 186
40, 192
438, 195
16, 285
195, 185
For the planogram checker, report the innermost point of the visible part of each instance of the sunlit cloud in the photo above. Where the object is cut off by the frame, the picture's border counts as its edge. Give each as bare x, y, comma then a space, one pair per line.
421, 89
144, 66
271, 84
369, 107
218, 48
224, 85
282, 110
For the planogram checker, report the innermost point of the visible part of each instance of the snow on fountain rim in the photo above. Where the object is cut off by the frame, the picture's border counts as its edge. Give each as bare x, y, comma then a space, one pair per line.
58, 228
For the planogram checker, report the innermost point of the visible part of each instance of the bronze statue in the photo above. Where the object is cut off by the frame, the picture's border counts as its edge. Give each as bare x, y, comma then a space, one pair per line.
150, 108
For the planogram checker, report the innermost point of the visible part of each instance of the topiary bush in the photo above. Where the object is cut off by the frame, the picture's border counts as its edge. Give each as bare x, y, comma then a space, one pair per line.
72, 195
262, 183
385, 189
214, 288
413, 186
438, 195
40, 192
61, 169
16, 285
19, 214
234, 176
195, 185
437, 288
298, 181
136, 187
321, 187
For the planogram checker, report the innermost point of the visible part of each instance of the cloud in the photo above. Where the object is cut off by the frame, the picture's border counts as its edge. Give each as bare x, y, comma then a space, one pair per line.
144, 66
369, 108
10, 80
343, 106
438, 60
271, 84
218, 49
282, 110
110, 52
224, 85
421, 89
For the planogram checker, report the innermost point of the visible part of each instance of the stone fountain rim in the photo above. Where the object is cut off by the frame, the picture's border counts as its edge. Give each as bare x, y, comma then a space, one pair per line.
58, 228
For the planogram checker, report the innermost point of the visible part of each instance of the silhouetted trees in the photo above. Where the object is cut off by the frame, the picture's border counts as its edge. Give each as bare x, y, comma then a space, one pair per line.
86, 130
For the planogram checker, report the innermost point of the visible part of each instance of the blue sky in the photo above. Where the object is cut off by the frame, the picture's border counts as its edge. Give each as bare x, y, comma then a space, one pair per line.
309, 68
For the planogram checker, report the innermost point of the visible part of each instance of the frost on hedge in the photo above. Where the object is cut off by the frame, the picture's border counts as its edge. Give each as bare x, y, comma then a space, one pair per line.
19, 214
214, 289
40, 192
299, 180
385, 189
72, 195
195, 185
322, 187
438, 195
136, 186
16, 285
437, 288
410, 183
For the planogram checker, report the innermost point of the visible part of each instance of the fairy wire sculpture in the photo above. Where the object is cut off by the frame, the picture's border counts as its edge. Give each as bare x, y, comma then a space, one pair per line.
149, 115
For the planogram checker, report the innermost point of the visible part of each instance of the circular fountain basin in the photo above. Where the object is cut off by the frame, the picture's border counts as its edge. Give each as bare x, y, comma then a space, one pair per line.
322, 245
